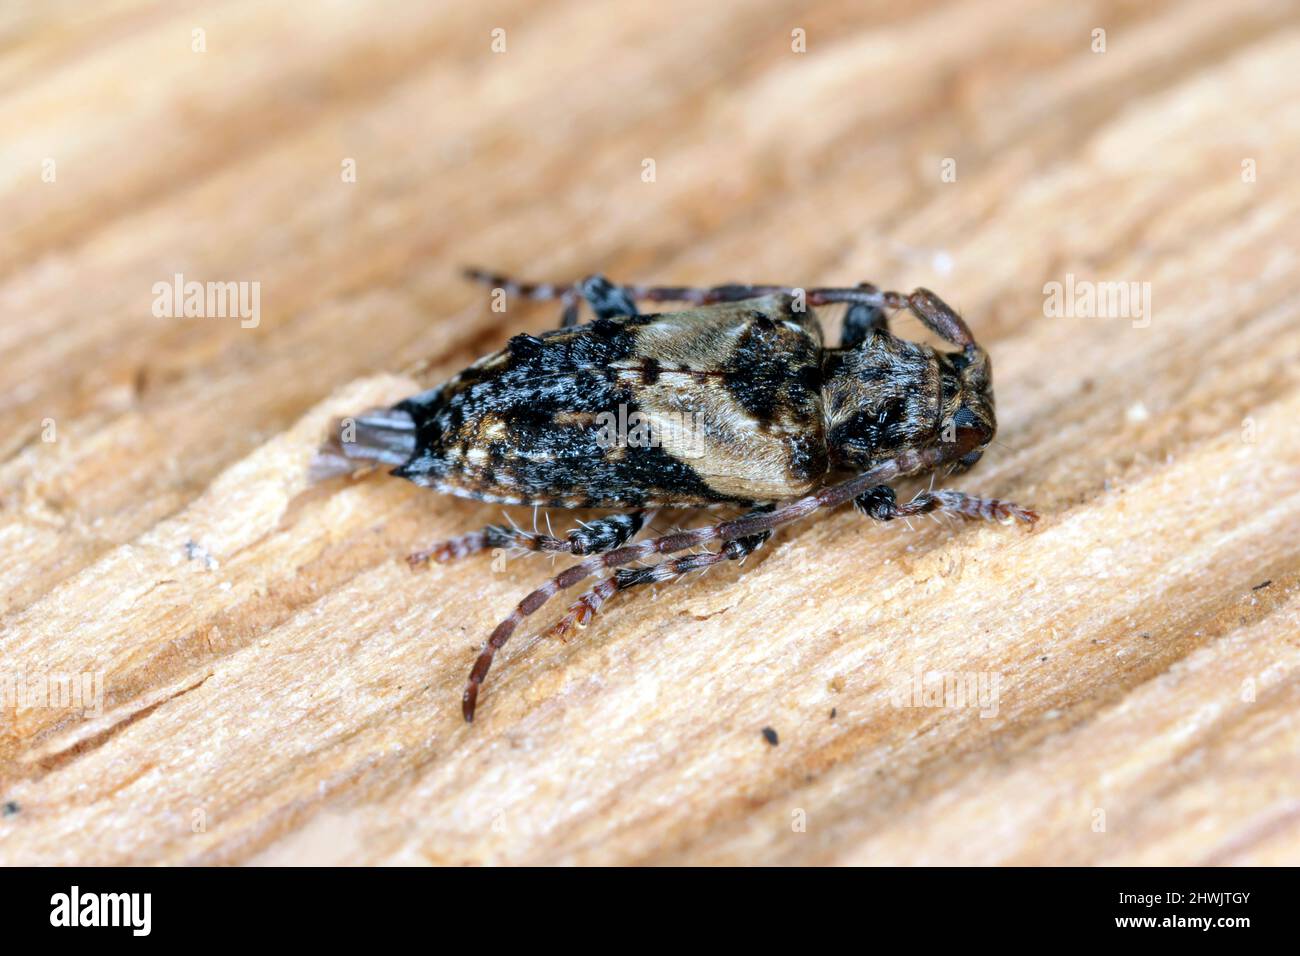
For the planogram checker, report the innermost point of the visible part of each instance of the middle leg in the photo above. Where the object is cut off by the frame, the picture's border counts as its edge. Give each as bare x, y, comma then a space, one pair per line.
594, 537
584, 609
860, 321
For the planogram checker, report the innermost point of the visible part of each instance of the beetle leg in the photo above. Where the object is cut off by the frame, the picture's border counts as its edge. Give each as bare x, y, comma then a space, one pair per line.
860, 321
567, 293
616, 558
909, 462
569, 314
696, 295
880, 503
864, 294
607, 300
603, 534
533, 291
936, 314
584, 609
933, 312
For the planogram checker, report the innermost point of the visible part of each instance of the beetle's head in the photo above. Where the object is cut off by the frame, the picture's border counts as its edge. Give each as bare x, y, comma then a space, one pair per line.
888, 395
966, 414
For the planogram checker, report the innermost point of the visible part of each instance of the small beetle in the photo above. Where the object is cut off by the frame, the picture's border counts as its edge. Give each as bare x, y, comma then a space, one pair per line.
736, 402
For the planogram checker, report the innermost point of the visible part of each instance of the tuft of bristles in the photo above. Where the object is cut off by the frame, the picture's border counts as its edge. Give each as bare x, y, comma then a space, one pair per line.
379, 436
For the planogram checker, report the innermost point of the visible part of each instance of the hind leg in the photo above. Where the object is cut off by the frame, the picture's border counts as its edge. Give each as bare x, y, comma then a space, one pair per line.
594, 537
606, 299
764, 517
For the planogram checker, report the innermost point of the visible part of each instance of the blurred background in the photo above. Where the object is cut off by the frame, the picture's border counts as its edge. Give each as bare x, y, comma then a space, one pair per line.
340, 161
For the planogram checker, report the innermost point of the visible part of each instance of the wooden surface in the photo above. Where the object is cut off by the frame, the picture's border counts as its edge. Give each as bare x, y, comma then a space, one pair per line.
278, 687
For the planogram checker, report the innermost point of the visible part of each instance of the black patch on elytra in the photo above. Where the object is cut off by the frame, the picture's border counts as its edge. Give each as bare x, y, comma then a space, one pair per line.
598, 344
808, 457
606, 327
424, 410
525, 347
567, 464
806, 384
763, 385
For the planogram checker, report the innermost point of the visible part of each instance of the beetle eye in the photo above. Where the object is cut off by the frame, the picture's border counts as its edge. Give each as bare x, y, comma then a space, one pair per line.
964, 418
970, 428
967, 461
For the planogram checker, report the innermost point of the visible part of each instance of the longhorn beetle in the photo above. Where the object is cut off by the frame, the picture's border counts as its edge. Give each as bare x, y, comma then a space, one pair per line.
736, 402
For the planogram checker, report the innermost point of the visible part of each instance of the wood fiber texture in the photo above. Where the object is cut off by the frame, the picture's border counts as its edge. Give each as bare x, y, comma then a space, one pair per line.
278, 687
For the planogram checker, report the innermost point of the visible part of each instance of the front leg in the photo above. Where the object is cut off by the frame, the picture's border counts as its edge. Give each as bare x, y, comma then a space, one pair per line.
881, 503
594, 537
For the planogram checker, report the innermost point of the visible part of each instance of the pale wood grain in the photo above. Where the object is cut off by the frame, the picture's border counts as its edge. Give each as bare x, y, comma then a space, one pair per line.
279, 688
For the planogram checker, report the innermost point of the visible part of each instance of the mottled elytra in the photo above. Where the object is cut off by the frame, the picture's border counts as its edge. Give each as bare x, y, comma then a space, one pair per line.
734, 401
